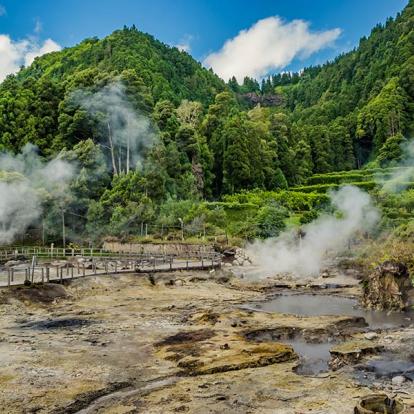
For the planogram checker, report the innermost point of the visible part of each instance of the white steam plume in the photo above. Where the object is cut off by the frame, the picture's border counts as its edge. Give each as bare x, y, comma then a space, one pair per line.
126, 132
403, 174
301, 258
25, 181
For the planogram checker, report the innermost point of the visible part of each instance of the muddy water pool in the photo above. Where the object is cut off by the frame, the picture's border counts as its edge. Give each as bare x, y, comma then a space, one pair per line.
318, 305
314, 357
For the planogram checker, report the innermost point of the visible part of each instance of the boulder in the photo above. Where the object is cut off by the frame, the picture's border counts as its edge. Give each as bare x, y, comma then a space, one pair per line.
388, 287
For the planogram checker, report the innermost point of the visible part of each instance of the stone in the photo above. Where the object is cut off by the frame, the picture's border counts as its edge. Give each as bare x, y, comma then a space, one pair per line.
398, 380
388, 287
349, 353
371, 335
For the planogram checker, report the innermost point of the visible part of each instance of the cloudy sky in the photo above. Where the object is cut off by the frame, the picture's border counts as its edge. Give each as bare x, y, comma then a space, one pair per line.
234, 37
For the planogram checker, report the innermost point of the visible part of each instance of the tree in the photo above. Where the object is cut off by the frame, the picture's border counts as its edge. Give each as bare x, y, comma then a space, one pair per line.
270, 221
190, 113
384, 115
237, 172
212, 126
303, 161
392, 150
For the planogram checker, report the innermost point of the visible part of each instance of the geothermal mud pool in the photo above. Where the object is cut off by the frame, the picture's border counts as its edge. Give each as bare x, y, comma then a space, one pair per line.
315, 354
198, 342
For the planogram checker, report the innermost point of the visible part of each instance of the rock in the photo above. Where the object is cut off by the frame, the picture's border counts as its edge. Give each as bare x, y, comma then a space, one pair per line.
242, 355
398, 380
388, 287
349, 353
371, 335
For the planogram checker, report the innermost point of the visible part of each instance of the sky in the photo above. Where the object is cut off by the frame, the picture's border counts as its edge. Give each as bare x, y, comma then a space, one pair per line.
234, 37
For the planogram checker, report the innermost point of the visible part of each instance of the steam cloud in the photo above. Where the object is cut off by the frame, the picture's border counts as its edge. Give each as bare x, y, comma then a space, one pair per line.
301, 258
404, 173
127, 131
25, 181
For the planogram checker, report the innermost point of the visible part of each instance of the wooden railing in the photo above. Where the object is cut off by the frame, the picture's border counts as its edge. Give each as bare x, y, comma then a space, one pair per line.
35, 270
60, 252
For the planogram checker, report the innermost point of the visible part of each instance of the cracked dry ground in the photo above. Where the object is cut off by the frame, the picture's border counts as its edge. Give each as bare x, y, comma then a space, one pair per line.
172, 343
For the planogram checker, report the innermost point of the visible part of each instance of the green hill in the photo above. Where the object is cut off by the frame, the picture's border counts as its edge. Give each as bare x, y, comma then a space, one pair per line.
31, 101
356, 102
209, 143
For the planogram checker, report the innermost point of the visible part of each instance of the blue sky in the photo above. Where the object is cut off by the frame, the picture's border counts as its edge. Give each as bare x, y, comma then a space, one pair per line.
202, 25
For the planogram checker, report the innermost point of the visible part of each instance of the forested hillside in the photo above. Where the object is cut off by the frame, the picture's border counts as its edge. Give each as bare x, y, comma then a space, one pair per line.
356, 103
208, 138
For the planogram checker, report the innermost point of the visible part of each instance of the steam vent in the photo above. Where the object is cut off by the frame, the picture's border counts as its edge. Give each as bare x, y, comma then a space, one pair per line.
380, 404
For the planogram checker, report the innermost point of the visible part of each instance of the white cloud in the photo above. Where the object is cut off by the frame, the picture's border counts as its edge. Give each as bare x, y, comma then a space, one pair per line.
185, 44
15, 54
36, 50
38, 26
2, 10
269, 44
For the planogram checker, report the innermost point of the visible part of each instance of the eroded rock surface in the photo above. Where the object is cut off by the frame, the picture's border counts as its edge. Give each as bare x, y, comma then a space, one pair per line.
388, 287
134, 344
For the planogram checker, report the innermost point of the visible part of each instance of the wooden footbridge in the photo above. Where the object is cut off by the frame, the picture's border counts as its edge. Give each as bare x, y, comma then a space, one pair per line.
25, 265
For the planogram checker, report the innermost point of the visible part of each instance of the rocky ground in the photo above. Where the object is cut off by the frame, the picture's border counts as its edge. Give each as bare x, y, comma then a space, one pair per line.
181, 342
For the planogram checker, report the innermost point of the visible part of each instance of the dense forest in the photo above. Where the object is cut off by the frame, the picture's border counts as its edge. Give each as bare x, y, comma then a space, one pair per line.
196, 137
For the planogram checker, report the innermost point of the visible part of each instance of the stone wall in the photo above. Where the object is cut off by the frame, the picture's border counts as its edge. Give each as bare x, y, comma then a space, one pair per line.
175, 249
